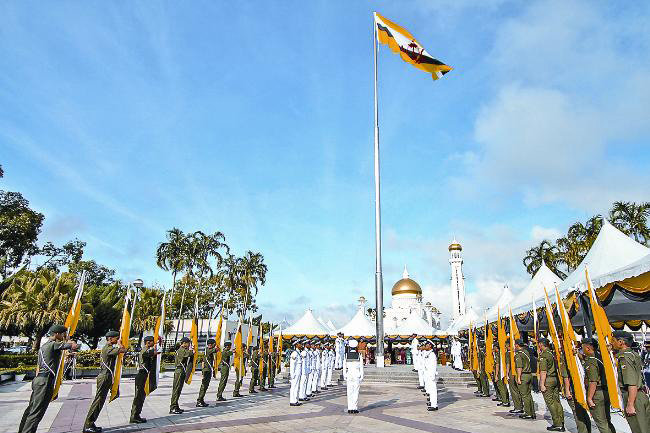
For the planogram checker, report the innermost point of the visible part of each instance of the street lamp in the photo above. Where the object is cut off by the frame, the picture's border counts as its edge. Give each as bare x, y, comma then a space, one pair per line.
138, 283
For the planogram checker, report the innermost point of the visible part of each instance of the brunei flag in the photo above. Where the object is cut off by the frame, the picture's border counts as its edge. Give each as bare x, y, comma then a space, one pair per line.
217, 339
604, 331
279, 356
71, 323
154, 376
489, 355
514, 335
194, 336
403, 43
474, 350
552, 330
238, 358
574, 365
502, 374
125, 333
261, 351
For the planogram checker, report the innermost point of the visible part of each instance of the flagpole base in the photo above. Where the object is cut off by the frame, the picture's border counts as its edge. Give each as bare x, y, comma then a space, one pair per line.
379, 360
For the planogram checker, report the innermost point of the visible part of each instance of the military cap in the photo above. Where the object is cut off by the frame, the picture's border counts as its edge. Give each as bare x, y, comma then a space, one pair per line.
520, 342
544, 341
185, 340
148, 338
57, 329
622, 334
211, 341
112, 334
590, 341
227, 343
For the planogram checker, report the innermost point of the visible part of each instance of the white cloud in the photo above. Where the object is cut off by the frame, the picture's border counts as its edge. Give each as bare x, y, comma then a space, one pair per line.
539, 233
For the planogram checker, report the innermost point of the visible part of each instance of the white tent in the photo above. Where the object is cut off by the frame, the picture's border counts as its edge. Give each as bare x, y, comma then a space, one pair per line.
463, 322
544, 277
359, 326
611, 251
635, 269
322, 322
331, 326
414, 324
306, 325
501, 305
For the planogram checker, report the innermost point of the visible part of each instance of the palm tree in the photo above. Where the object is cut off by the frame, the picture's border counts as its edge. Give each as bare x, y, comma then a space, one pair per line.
35, 301
170, 255
632, 219
147, 311
545, 252
253, 270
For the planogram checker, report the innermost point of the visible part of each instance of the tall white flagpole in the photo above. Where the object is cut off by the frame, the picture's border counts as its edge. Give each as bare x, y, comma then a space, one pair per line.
379, 284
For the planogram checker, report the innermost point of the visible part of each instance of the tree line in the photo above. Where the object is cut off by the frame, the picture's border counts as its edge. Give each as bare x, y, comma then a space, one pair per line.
564, 255
34, 296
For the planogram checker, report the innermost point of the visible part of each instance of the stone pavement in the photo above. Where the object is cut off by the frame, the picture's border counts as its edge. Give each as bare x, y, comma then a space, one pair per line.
383, 408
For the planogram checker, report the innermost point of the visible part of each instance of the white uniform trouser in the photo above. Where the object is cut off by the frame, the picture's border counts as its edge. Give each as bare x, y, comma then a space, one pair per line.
329, 375
314, 381
421, 376
458, 362
353, 393
432, 388
323, 378
304, 378
294, 390
339, 359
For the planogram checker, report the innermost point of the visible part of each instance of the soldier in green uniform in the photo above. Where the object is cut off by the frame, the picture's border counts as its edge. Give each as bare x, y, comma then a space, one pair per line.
224, 369
483, 378
146, 364
549, 384
580, 415
524, 379
184, 358
254, 358
630, 379
265, 366
596, 387
271, 369
49, 358
512, 384
207, 369
500, 385
108, 355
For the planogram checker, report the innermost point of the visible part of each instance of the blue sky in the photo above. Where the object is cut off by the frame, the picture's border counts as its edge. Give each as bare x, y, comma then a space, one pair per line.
119, 121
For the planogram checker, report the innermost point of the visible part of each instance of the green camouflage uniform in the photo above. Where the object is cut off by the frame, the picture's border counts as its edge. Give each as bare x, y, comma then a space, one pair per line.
522, 360
552, 394
512, 384
580, 415
184, 358
146, 364
255, 370
49, 358
501, 388
104, 382
271, 370
485, 387
630, 374
208, 372
595, 372
264, 371
224, 369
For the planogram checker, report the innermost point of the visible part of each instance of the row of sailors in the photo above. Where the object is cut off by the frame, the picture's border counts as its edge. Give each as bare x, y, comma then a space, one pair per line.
425, 362
311, 365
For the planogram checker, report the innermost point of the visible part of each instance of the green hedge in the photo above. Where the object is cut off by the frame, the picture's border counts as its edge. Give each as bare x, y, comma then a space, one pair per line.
86, 358
12, 361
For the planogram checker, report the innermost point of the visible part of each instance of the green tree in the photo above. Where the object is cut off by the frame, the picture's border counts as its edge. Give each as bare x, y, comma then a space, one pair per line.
545, 252
96, 274
632, 219
103, 303
19, 230
147, 311
170, 255
56, 257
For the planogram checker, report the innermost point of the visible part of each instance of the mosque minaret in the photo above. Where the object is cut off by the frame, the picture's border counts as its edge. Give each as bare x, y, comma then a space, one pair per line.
457, 281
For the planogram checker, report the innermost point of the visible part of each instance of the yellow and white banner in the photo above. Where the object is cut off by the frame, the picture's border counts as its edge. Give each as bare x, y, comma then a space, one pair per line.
125, 334
194, 336
153, 378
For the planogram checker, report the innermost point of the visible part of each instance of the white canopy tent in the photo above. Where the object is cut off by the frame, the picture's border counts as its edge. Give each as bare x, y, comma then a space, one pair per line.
544, 277
501, 305
635, 269
463, 322
611, 252
331, 326
306, 325
359, 326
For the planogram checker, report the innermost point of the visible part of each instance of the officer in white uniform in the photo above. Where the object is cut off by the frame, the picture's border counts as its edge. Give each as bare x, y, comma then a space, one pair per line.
325, 360
317, 369
456, 352
414, 351
353, 375
430, 374
330, 365
339, 349
295, 372
305, 369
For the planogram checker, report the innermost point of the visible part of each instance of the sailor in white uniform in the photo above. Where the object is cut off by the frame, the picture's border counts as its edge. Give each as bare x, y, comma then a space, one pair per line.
304, 372
430, 376
316, 369
418, 361
310, 360
414, 351
353, 375
339, 349
456, 352
332, 361
325, 360
295, 372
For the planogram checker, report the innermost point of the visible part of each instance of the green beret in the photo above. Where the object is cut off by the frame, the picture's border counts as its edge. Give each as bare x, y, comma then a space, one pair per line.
57, 329
211, 341
185, 340
590, 341
148, 338
112, 334
227, 343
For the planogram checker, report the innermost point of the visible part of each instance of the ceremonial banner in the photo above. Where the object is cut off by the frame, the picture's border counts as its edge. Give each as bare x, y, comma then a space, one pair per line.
271, 351
552, 331
71, 323
194, 336
501, 336
261, 351
238, 358
489, 354
153, 378
125, 334
470, 347
604, 331
217, 339
574, 365
279, 356
514, 335
403, 43
475, 364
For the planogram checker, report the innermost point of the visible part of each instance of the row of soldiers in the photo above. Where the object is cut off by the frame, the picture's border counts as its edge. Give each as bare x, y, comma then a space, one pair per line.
554, 379
49, 358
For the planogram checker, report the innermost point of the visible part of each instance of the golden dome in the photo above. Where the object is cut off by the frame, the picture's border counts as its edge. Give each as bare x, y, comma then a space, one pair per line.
406, 286
455, 246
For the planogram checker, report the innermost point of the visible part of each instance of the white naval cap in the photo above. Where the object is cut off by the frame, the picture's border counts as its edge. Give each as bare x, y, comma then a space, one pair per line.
353, 343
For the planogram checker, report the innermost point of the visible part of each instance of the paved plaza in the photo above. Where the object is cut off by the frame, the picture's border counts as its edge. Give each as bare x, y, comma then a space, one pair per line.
383, 408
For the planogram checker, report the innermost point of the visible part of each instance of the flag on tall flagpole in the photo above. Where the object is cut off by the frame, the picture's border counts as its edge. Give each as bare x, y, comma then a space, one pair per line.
403, 43
502, 374
514, 335
552, 330
604, 331
489, 355
125, 334
194, 336
475, 364
217, 339
574, 365
153, 378
71, 323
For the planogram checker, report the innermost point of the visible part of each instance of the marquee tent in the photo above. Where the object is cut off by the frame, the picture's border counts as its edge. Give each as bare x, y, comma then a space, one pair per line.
359, 326
307, 325
544, 277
